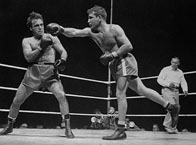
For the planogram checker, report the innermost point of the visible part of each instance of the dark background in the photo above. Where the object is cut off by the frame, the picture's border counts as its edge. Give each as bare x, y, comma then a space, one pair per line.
158, 30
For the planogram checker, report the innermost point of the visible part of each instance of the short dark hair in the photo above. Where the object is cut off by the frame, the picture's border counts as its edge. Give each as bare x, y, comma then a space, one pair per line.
98, 11
33, 15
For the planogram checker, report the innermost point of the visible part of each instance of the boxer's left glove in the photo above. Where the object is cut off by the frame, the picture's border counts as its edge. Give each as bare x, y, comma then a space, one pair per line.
54, 29
107, 57
60, 64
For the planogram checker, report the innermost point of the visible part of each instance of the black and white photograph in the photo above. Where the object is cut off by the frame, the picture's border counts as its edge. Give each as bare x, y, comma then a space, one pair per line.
97, 72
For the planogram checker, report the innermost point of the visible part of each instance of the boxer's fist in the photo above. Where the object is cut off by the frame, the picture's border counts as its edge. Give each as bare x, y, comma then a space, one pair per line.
45, 42
60, 64
107, 57
54, 29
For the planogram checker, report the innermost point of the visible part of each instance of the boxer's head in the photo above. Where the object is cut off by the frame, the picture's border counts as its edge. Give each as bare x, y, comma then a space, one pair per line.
96, 14
98, 11
35, 23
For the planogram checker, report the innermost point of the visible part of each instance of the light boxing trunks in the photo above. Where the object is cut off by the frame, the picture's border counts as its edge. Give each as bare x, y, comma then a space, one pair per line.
124, 66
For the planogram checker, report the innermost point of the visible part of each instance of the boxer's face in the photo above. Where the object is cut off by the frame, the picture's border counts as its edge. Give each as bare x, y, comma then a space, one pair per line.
93, 21
37, 27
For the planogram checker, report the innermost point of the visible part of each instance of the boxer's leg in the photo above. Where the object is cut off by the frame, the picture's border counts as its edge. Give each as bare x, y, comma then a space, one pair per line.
57, 89
138, 87
22, 94
121, 88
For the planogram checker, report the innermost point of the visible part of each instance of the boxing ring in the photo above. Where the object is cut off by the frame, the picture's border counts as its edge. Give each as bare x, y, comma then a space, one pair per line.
45, 136
89, 136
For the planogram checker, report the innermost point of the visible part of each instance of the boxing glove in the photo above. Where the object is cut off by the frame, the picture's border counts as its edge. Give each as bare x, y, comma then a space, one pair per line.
45, 42
60, 64
107, 57
54, 29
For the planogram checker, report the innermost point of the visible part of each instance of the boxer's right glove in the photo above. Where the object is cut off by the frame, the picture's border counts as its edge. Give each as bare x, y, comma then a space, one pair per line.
60, 64
54, 29
45, 42
107, 57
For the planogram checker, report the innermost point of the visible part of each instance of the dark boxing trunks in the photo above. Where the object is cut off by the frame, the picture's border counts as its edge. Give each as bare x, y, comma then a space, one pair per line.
40, 76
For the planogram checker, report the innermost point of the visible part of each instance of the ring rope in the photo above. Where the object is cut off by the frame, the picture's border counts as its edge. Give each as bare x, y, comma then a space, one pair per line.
85, 114
140, 97
89, 97
154, 77
71, 95
158, 115
67, 76
86, 79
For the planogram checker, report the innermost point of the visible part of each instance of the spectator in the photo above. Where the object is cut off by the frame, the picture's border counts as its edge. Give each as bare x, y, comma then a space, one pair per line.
97, 120
155, 127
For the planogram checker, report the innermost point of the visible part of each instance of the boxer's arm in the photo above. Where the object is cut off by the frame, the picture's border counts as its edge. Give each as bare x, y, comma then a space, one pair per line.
60, 63
72, 32
123, 42
29, 54
59, 48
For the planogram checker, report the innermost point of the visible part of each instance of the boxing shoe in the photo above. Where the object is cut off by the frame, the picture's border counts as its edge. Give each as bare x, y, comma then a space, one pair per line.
175, 130
68, 132
119, 134
173, 110
171, 130
8, 128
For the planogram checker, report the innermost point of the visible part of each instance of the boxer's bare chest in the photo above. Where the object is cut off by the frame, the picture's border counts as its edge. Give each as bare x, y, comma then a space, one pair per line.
46, 55
105, 40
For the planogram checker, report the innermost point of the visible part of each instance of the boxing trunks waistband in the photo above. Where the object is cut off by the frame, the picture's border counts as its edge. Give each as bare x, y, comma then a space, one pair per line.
40, 63
173, 89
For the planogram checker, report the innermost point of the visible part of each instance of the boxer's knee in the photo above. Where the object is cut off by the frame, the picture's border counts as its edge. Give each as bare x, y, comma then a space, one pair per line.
120, 95
142, 91
60, 96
